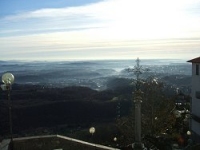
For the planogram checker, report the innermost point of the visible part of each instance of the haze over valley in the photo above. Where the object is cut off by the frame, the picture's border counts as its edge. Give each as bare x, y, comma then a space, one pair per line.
94, 74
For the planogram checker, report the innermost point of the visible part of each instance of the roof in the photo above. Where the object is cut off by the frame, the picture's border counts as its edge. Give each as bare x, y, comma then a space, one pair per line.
195, 60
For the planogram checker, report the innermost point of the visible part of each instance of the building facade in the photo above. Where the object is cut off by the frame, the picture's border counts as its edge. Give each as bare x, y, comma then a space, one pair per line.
195, 103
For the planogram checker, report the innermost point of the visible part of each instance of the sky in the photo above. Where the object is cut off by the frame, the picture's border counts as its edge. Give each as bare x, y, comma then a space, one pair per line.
53, 30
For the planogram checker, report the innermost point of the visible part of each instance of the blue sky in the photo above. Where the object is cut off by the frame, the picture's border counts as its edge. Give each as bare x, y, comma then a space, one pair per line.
9, 7
99, 29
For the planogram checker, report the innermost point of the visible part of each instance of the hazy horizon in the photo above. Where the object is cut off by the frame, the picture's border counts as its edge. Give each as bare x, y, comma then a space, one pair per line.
169, 60
99, 29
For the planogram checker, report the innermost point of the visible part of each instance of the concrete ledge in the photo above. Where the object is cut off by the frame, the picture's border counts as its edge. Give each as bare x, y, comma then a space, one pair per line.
52, 142
4, 144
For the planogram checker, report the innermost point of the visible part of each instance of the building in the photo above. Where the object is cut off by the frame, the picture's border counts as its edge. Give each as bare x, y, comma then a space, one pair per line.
195, 103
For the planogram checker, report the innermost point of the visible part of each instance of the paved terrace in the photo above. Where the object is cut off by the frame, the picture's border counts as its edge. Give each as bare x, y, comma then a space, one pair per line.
52, 142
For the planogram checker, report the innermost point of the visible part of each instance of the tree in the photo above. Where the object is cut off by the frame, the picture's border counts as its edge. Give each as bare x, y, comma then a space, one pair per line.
157, 108
157, 112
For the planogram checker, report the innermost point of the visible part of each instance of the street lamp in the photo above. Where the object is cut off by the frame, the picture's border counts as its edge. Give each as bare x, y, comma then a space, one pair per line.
189, 133
190, 142
8, 80
92, 130
115, 140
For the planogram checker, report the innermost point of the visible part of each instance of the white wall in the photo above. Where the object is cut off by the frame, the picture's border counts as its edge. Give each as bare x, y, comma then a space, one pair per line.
195, 102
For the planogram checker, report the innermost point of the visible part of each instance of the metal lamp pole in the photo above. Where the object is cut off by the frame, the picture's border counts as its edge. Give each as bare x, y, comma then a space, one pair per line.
10, 112
8, 80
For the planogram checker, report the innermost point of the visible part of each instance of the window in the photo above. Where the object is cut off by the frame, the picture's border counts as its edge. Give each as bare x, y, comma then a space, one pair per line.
198, 94
197, 69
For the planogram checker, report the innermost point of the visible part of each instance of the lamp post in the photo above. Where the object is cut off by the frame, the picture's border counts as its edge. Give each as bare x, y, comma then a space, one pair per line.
189, 133
8, 80
137, 97
92, 131
115, 140
190, 142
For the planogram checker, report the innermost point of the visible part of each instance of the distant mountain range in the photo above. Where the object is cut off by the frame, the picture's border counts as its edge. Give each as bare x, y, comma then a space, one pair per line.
93, 74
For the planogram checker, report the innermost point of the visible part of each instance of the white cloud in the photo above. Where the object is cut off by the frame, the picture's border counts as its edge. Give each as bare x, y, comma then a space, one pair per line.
107, 24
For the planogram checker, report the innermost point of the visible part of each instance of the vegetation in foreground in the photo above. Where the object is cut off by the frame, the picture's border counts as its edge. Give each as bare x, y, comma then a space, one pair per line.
71, 111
